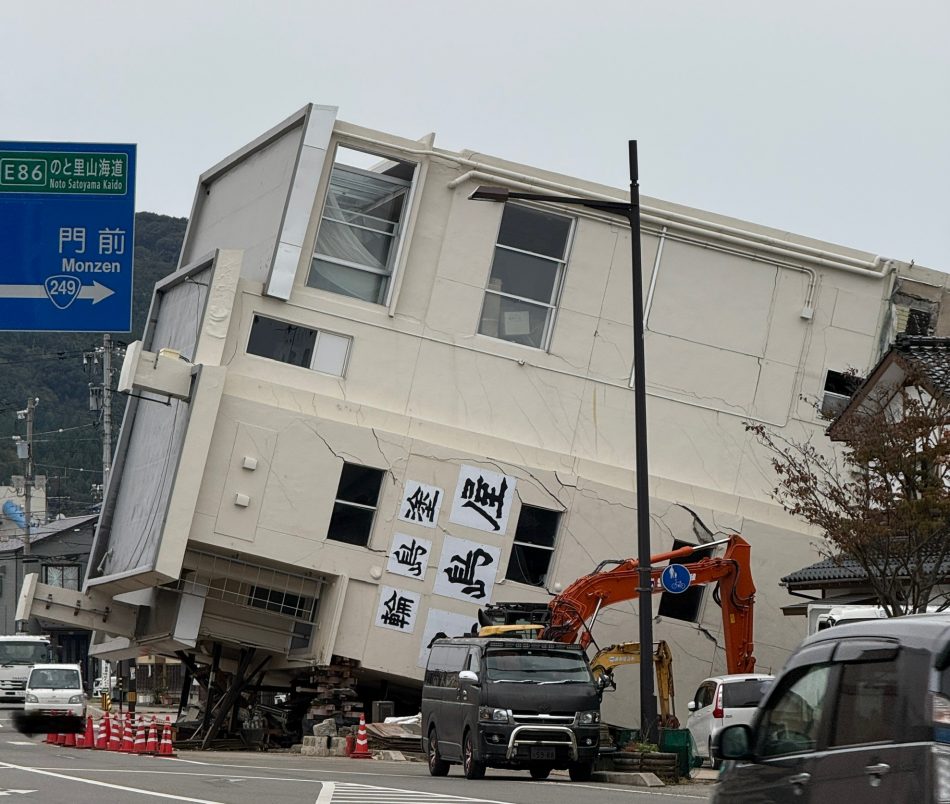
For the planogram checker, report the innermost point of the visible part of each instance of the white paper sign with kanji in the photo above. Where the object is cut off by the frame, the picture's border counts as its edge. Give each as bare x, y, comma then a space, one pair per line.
420, 504
409, 556
445, 623
483, 499
397, 609
467, 570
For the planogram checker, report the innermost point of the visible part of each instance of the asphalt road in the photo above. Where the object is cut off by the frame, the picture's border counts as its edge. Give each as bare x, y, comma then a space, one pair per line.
33, 771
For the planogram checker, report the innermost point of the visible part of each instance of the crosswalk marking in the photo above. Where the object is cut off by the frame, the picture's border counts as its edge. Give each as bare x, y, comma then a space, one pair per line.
343, 792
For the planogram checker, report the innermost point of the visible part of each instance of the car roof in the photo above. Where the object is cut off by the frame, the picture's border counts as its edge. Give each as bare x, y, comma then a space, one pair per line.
734, 677
921, 630
57, 667
507, 642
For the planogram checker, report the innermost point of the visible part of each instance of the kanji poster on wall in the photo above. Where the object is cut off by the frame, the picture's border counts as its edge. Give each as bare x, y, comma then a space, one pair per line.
445, 623
420, 504
483, 499
409, 555
466, 570
397, 609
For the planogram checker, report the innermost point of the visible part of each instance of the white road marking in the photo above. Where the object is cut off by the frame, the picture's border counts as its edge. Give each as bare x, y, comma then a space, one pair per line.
106, 784
354, 793
21, 742
20, 792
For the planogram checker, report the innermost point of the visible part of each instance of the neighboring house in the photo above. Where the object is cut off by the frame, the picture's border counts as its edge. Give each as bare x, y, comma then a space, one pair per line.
59, 554
381, 405
917, 358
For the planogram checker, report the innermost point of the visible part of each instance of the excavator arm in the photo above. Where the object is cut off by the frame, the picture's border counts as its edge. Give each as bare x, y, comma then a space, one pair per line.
606, 659
573, 611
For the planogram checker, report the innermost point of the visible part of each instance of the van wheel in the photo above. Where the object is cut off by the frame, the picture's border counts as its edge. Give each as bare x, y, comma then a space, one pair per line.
540, 771
437, 765
714, 763
581, 771
471, 767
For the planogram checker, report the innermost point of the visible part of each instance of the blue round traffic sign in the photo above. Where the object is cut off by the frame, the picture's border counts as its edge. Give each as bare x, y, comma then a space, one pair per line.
675, 578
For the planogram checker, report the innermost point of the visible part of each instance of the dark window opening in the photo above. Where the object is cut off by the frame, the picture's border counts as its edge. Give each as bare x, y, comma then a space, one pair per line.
299, 346
839, 388
684, 605
355, 505
533, 546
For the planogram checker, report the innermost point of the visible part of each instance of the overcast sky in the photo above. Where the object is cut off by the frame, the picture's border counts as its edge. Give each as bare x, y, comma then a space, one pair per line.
828, 119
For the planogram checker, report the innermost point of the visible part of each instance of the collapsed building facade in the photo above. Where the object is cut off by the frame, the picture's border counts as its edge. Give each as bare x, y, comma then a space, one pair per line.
365, 406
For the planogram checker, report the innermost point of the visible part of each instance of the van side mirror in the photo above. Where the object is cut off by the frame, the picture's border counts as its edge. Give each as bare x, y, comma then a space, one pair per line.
733, 742
468, 675
691, 706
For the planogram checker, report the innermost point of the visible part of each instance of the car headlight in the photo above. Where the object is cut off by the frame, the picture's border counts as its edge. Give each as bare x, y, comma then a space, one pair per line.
590, 718
76, 699
30, 698
491, 714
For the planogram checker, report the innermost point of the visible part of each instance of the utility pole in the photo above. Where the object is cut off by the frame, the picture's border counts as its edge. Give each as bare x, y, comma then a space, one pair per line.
28, 474
106, 410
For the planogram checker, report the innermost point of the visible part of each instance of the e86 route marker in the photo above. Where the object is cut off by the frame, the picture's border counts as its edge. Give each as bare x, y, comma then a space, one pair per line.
67, 217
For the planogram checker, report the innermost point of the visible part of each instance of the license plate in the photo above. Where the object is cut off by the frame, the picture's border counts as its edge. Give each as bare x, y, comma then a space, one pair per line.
542, 753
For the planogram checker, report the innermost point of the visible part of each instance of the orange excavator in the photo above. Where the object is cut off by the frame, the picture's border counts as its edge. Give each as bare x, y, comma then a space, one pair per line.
572, 613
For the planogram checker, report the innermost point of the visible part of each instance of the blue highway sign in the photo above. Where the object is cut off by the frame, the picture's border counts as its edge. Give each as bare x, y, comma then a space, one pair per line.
67, 217
675, 578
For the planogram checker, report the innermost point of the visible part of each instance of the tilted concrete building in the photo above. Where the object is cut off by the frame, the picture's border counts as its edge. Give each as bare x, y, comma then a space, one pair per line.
366, 405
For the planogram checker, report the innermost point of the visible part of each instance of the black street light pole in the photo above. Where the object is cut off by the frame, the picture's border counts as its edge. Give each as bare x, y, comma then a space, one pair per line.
631, 211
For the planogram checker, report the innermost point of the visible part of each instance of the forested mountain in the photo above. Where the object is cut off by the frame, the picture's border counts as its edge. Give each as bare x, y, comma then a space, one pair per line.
67, 443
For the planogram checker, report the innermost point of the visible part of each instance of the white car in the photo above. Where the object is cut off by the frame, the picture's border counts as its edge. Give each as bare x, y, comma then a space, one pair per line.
55, 690
722, 701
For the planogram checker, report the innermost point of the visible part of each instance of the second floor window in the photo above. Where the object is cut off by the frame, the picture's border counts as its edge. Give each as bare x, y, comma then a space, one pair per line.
65, 576
363, 217
526, 276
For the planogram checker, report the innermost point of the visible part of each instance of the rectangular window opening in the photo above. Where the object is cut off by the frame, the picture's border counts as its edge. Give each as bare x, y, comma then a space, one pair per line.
839, 388
363, 217
684, 605
297, 345
65, 576
526, 276
533, 546
355, 506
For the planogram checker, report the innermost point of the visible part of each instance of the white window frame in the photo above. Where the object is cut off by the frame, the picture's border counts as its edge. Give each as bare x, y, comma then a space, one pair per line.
553, 305
313, 357
395, 254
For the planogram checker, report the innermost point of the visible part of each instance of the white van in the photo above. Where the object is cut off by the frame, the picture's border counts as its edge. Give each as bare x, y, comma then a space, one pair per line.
55, 689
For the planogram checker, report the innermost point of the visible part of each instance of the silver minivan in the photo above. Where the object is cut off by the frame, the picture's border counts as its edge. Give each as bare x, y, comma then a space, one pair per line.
859, 712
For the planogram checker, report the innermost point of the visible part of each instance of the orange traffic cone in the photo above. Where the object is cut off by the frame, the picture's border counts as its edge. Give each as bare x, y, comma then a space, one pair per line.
138, 747
69, 740
102, 733
115, 735
89, 738
128, 735
60, 739
165, 747
50, 739
151, 743
362, 744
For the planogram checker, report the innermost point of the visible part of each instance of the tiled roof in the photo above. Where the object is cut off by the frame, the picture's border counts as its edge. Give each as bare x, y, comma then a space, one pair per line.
841, 570
930, 355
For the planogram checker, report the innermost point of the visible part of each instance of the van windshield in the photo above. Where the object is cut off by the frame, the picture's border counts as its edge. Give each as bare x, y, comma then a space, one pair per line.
24, 652
54, 679
537, 666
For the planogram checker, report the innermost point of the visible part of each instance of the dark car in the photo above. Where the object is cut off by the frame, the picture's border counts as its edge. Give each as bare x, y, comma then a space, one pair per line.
509, 703
860, 712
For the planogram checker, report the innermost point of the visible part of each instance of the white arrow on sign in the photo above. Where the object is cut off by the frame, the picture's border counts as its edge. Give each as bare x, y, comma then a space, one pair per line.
95, 292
